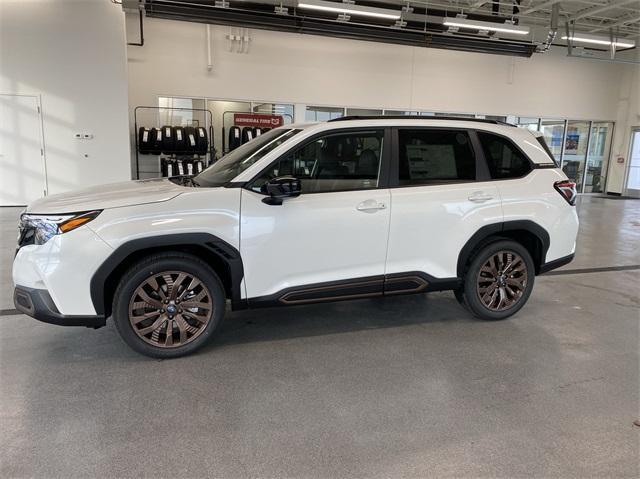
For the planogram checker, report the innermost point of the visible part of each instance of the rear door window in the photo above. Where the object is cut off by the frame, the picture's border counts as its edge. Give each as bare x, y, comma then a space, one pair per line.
504, 159
435, 156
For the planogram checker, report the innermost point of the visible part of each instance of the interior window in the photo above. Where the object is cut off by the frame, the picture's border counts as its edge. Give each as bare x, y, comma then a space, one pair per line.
336, 162
503, 158
435, 155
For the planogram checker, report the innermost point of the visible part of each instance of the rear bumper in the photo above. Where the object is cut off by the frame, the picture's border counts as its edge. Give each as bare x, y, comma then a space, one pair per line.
556, 263
38, 304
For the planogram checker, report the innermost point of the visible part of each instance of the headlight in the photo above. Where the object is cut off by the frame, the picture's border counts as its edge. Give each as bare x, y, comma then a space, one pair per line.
38, 229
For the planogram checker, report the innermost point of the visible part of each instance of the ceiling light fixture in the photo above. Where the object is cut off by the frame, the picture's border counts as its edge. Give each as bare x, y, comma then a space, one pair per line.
485, 26
349, 9
599, 40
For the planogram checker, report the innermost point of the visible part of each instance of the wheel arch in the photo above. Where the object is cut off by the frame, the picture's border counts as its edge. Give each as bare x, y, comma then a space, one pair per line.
528, 233
222, 257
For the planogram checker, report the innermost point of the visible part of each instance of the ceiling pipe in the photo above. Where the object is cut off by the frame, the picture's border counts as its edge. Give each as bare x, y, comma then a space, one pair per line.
553, 29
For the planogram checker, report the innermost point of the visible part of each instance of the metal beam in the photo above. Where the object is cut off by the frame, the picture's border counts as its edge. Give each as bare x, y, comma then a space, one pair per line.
542, 6
595, 10
616, 24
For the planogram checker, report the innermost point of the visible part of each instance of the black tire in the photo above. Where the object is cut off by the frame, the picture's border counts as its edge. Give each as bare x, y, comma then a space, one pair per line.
235, 137
202, 141
459, 295
150, 268
191, 138
156, 141
179, 140
506, 304
168, 140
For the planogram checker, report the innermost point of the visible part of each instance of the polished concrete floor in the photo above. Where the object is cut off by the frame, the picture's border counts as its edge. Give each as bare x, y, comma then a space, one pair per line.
400, 387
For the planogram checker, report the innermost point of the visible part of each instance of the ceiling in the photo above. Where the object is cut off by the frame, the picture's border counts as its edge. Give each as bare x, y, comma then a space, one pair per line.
422, 20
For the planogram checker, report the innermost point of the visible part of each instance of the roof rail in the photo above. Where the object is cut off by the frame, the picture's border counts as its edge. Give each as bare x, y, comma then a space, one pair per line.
417, 117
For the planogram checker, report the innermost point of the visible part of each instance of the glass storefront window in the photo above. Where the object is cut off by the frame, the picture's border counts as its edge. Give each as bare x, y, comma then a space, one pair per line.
598, 157
528, 123
553, 131
283, 109
399, 112
363, 112
323, 113
575, 151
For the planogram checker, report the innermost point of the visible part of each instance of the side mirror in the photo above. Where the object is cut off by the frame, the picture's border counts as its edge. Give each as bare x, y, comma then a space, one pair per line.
280, 188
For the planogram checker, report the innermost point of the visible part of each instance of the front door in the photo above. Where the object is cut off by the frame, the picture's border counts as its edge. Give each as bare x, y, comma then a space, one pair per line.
329, 242
632, 187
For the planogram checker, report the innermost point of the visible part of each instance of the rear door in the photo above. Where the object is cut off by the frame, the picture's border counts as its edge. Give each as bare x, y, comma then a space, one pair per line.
331, 241
440, 196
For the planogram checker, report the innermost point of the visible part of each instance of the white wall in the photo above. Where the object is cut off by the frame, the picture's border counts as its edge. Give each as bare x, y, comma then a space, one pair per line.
296, 68
72, 54
628, 116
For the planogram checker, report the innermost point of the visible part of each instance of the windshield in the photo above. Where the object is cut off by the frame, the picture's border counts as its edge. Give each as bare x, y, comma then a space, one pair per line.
232, 164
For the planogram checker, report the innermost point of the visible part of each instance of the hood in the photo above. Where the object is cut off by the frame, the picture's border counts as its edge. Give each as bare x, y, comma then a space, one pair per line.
113, 195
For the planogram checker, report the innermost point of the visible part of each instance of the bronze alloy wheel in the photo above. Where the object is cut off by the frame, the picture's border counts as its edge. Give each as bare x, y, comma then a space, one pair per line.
170, 309
502, 280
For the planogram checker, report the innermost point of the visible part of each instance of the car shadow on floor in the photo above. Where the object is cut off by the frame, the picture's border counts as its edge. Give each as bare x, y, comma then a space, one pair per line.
288, 322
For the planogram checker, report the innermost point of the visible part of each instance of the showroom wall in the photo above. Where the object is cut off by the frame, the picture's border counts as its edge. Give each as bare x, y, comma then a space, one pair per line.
72, 55
293, 68
312, 70
628, 116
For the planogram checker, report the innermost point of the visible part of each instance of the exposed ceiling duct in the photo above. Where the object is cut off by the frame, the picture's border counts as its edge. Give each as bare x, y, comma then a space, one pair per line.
505, 27
419, 27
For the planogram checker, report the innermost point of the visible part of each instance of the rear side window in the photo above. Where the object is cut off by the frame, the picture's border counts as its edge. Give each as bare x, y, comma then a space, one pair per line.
504, 159
434, 156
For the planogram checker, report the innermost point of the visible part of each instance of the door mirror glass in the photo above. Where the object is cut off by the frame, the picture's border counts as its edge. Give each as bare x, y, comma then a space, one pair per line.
280, 188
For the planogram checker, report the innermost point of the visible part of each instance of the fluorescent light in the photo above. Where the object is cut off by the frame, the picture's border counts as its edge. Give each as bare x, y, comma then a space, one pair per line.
489, 26
599, 40
349, 9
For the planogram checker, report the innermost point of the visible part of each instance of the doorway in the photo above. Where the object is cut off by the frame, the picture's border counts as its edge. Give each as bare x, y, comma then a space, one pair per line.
23, 177
632, 183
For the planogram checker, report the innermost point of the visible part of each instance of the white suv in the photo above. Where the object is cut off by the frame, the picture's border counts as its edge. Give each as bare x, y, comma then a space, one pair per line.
352, 208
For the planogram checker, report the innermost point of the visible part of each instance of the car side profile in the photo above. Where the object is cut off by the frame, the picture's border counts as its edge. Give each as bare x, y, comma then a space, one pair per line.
352, 208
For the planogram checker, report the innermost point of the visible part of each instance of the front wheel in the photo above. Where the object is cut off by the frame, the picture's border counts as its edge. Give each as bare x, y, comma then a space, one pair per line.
168, 305
499, 280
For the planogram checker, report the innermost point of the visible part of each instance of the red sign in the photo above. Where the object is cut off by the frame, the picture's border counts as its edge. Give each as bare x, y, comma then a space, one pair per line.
254, 119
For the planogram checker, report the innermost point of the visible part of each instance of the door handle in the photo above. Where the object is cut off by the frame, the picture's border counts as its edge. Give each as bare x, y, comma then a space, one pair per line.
480, 197
370, 206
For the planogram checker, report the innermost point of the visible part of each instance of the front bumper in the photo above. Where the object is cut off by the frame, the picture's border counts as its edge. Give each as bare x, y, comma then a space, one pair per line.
38, 304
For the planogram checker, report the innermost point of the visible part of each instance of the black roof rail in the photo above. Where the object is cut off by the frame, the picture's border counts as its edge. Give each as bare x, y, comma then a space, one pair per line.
417, 117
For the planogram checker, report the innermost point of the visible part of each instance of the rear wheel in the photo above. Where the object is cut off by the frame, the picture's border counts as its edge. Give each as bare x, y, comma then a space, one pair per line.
168, 305
499, 280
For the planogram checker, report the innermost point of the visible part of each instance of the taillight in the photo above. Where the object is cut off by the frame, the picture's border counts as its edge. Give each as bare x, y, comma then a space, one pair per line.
568, 190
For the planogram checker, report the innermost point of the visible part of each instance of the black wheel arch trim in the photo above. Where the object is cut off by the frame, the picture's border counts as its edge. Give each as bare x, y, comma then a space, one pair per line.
495, 229
226, 254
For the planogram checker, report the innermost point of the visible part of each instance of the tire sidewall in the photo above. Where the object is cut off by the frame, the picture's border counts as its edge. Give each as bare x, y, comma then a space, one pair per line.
153, 265
472, 300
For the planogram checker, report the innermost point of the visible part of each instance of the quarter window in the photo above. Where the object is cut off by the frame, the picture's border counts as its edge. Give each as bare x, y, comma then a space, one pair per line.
435, 156
336, 162
504, 159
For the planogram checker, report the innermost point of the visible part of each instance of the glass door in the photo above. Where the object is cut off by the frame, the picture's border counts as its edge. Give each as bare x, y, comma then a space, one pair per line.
632, 188
598, 156
553, 131
575, 151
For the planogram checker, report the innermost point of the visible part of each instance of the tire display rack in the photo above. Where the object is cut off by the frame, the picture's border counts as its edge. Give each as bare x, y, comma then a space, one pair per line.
188, 154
